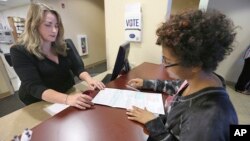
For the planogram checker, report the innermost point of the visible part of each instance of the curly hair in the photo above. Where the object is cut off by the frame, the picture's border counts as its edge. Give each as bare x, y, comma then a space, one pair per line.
198, 38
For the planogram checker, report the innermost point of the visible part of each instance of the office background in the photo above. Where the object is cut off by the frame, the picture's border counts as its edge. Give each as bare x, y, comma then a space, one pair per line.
110, 17
154, 12
103, 22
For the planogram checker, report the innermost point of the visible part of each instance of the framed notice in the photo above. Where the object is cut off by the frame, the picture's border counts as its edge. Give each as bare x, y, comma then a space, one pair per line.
83, 44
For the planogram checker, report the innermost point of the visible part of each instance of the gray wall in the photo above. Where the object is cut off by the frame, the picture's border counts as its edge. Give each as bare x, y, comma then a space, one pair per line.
238, 11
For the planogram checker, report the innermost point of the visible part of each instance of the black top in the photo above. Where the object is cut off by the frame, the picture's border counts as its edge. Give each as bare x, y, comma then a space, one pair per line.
202, 116
39, 75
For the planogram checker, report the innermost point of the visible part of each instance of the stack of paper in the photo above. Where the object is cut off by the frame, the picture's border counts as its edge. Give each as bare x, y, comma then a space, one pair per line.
126, 99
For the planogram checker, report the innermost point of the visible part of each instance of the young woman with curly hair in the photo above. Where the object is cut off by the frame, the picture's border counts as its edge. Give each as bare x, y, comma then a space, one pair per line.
193, 43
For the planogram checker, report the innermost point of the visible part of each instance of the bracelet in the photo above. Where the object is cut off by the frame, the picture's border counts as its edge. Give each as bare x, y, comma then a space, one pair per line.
66, 99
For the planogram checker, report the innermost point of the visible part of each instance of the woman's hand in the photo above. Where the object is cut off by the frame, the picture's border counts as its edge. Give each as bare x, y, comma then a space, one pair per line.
140, 115
136, 83
93, 84
79, 100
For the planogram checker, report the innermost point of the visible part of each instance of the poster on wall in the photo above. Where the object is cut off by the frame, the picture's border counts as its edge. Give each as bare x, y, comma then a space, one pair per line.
133, 22
83, 45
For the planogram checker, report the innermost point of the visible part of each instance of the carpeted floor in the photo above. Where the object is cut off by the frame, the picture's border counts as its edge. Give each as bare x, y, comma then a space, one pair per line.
97, 69
10, 104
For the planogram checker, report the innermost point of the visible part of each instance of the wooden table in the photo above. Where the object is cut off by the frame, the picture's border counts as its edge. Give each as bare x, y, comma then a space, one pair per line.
101, 123
32, 115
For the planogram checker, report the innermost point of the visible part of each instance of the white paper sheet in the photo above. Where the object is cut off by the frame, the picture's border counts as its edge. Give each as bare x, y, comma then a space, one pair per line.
55, 108
126, 99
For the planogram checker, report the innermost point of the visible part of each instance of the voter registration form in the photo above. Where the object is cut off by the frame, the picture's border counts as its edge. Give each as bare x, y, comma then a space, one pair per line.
128, 98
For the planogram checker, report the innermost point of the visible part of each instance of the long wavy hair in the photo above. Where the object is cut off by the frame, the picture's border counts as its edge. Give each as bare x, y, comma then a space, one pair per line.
31, 37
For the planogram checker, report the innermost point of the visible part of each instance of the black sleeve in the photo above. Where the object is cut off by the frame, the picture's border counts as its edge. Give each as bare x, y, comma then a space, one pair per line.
209, 121
158, 130
201, 125
167, 86
77, 63
24, 65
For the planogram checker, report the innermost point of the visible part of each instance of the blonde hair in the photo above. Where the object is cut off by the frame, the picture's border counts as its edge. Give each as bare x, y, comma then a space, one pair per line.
31, 37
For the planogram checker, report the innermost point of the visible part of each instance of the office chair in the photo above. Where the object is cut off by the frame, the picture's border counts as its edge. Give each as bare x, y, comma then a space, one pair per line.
8, 59
71, 45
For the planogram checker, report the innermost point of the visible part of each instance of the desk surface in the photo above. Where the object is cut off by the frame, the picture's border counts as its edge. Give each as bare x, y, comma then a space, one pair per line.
31, 115
100, 123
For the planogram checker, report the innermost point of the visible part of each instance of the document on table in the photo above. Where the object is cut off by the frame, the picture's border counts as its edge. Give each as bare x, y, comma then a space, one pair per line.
55, 108
127, 98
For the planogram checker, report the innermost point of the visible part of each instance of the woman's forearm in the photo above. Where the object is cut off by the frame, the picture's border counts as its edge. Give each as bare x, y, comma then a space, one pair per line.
53, 96
85, 76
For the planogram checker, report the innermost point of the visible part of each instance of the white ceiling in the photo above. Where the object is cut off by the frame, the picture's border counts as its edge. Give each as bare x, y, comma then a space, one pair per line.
4, 5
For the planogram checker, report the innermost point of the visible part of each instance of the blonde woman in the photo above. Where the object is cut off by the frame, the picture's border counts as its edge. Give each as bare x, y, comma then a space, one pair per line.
45, 63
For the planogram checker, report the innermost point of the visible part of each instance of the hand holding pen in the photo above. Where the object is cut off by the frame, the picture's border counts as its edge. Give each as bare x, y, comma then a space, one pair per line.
130, 87
136, 83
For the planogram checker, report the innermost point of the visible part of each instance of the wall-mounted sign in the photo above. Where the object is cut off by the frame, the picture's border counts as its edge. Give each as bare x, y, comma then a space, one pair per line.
83, 44
6, 37
133, 22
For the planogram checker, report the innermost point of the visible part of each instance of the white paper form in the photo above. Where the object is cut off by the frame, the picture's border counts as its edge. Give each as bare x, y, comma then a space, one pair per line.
126, 99
55, 108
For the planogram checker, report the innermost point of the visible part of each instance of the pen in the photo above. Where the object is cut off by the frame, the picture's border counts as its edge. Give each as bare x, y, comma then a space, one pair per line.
26, 136
130, 87
15, 138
